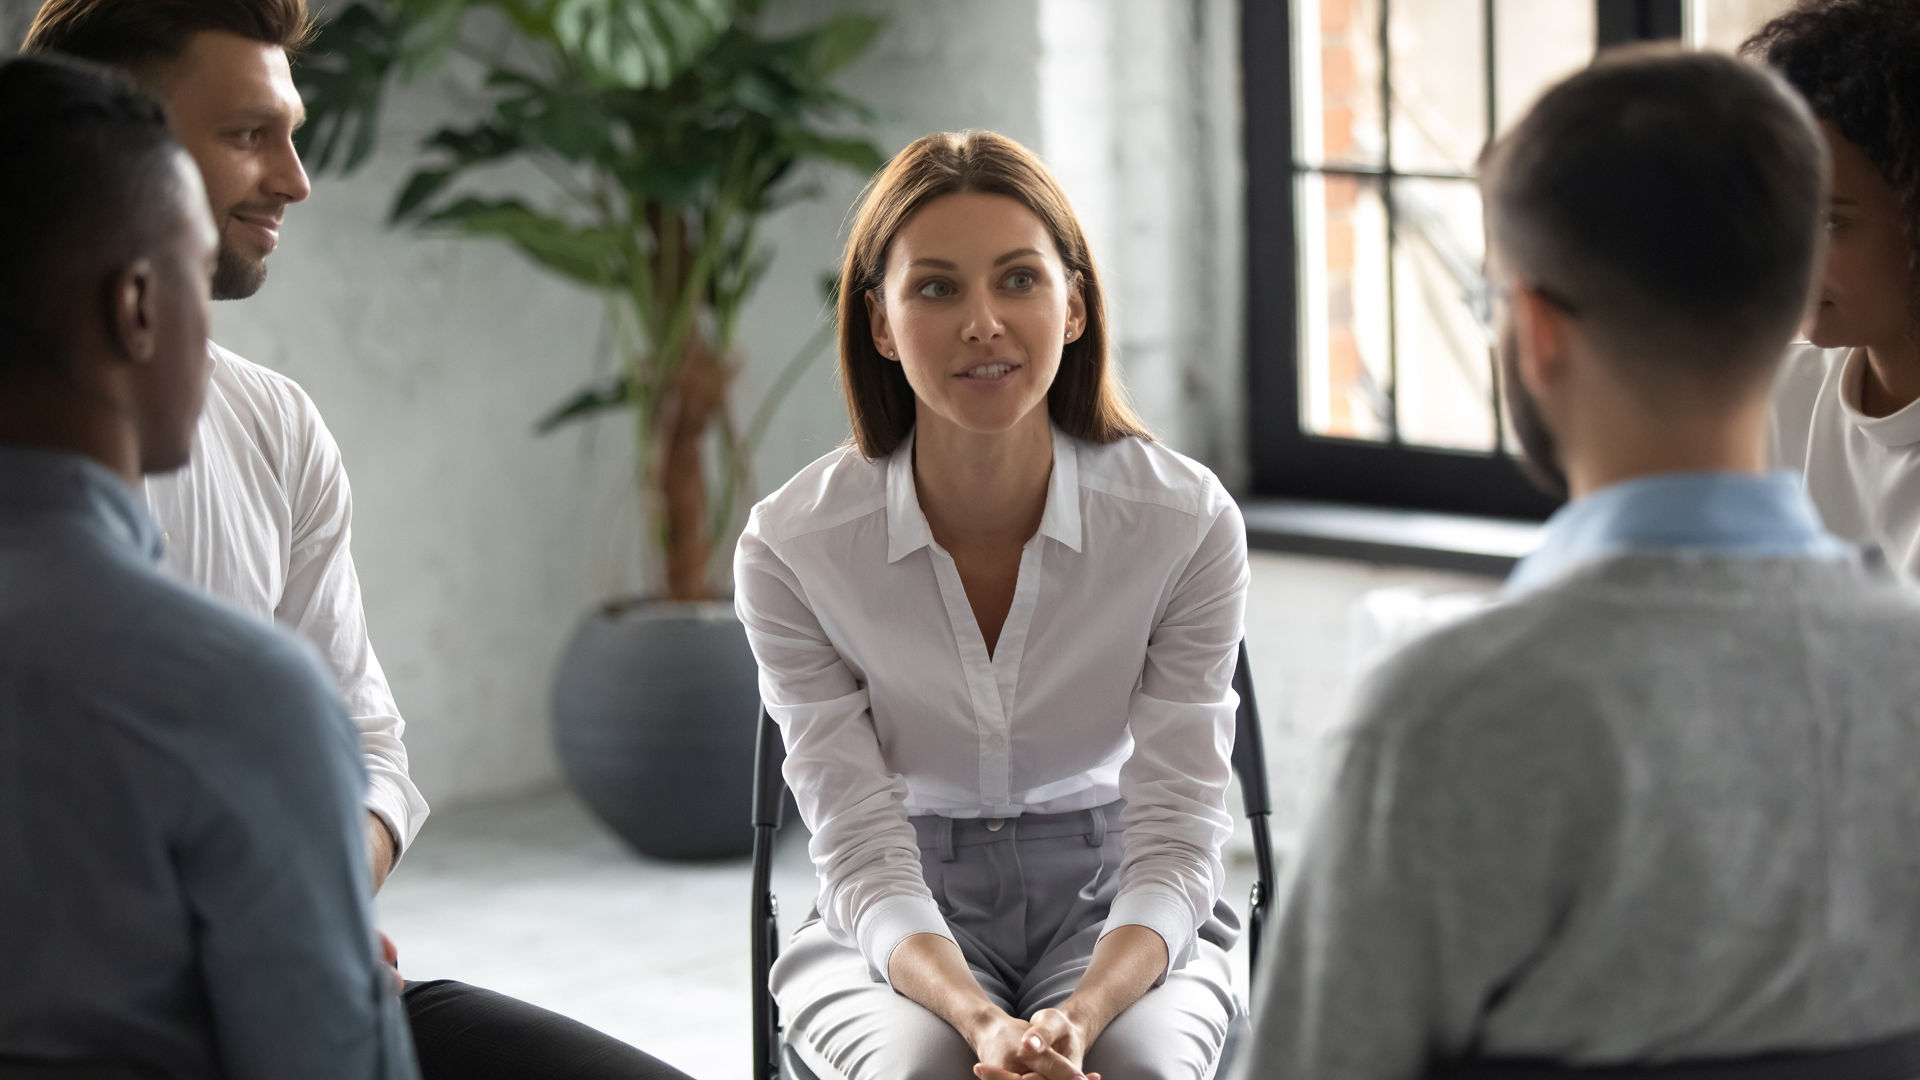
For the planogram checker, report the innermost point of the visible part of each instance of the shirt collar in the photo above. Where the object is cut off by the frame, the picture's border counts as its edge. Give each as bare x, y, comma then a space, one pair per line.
50, 483
907, 529
1721, 512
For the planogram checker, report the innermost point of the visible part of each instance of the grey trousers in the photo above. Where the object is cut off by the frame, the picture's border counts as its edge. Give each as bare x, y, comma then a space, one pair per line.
1026, 898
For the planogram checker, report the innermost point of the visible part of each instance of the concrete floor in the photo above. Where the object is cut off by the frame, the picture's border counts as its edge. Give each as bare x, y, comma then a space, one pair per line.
535, 899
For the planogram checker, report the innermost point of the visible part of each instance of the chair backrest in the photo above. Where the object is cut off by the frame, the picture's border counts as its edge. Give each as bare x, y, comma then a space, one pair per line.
769, 785
1256, 800
1249, 749
769, 797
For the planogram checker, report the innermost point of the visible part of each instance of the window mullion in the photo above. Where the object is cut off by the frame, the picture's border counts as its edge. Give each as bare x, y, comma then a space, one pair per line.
1487, 14
1393, 222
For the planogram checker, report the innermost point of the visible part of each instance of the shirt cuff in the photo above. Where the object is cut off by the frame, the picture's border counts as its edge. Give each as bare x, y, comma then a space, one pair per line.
399, 806
1164, 913
892, 921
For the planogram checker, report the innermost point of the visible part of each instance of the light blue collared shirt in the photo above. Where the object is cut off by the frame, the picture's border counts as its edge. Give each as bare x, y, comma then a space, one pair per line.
1725, 513
183, 878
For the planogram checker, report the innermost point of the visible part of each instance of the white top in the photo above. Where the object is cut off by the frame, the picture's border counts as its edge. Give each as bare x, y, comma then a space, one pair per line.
1862, 472
1112, 677
261, 517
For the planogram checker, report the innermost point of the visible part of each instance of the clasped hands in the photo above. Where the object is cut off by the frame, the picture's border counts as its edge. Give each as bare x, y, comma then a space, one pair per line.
1048, 1047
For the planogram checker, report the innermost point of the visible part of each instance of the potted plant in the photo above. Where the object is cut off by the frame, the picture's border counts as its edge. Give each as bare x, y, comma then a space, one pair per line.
667, 131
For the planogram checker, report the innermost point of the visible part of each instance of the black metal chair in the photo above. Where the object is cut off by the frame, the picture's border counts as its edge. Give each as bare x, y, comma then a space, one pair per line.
773, 1059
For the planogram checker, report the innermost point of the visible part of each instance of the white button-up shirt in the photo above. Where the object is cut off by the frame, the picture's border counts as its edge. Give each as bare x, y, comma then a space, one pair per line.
261, 517
1111, 678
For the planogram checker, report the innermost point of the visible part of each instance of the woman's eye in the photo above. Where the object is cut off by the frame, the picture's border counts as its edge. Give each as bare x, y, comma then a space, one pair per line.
936, 290
1835, 224
1022, 279
246, 138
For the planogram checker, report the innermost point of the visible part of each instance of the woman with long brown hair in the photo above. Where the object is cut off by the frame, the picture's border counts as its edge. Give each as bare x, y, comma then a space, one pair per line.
998, 633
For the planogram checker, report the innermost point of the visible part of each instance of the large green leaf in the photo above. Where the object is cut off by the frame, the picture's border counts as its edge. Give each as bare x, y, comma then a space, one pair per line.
637, 43
597, 45
857, 154
342, 78
615, 393
591, 255
839, 42
430, 30
462, 149
422, 186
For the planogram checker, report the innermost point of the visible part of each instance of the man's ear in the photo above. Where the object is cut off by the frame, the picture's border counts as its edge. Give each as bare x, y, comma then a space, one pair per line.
877, 319
1541, 329
131, 310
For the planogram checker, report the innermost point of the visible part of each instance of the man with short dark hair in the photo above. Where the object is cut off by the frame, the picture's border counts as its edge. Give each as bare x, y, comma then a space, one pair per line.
262, 517
180, 791
1655, 806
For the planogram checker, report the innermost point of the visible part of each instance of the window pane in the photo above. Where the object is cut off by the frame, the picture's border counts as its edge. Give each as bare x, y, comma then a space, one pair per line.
1536, 44
1337, 81
1439, 82
1445, 393
1344, 371
1724, 24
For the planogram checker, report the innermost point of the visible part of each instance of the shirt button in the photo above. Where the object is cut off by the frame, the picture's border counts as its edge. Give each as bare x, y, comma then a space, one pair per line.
995, 824
997, 742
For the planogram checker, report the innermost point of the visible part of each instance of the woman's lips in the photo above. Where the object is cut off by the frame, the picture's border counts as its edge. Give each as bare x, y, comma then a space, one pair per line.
993, 372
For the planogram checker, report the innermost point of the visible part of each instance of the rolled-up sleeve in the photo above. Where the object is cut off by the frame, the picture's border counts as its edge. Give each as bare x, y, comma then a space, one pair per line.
1181, 718
872, 894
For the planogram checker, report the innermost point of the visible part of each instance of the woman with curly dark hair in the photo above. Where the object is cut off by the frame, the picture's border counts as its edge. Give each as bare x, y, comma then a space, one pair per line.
1847, 408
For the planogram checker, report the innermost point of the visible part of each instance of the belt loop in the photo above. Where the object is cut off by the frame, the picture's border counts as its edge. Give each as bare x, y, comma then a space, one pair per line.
943, 839
1097, 835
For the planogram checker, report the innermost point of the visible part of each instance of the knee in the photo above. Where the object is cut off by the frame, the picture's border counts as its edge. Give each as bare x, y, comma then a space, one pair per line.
1155, 1068
1151, 1063
919, 1066
902, 1047
902, 1061
1154, 1051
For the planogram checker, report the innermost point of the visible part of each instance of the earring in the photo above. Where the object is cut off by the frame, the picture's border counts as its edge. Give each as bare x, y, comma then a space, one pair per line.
1069, 335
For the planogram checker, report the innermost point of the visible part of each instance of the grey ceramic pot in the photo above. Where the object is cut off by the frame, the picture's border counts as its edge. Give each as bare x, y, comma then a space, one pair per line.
653, 716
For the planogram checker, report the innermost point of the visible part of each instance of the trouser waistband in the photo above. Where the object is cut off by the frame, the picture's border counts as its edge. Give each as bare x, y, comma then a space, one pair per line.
943, 834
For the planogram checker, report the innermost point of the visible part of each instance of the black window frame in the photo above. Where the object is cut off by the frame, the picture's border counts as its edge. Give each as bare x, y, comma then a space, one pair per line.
1287, 460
